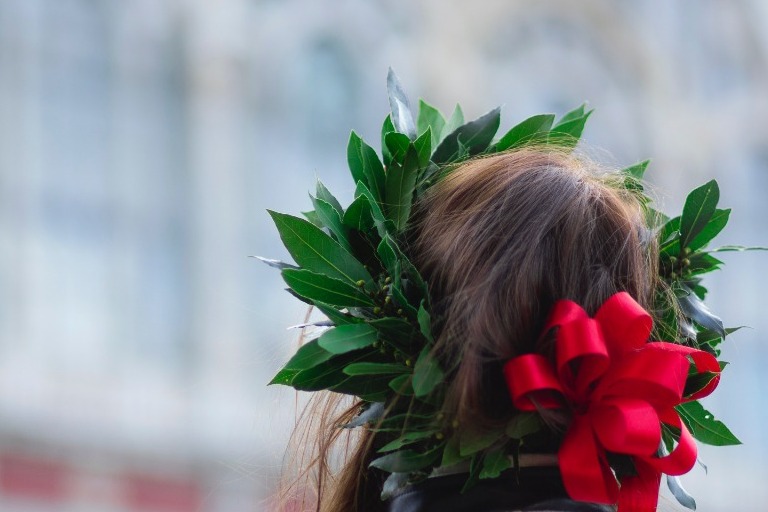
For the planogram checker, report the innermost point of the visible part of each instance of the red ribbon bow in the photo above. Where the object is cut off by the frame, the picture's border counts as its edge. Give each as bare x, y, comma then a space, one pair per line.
620, 388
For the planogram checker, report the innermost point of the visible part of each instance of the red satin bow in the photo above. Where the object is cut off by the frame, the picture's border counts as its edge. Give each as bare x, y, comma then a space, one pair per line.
620, 389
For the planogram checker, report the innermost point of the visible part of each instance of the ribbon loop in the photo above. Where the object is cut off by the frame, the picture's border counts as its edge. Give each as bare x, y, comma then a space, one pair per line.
620, 388
531, 381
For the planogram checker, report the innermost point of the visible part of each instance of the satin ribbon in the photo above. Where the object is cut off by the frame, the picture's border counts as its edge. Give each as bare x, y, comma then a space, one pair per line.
620, 389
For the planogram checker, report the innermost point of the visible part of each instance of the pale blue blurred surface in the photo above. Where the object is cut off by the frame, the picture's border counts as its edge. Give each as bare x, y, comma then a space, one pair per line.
141, 141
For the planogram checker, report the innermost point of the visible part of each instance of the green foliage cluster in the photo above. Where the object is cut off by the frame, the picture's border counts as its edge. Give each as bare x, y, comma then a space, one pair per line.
378, 347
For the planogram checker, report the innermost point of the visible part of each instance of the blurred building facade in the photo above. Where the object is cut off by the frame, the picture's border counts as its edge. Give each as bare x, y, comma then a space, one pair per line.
141, 141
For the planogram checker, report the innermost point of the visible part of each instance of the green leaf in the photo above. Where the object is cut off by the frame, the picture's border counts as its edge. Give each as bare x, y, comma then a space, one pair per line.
400, 184
430, 118
414, 421
388, 255
475, 136
424, 147
573, 115
367, 387
314, 250
472, 440
359, 215
715, 225
355, 158
636, 171
425, 322
523, 424
697, 381
369, 169
702, 263
318, 287
323, 193
402, 117
346, 338
406, 439
451, 454
427, 373
330, 218
394, 260
704, 427
713, 338
398, 332
398, 295
526, 131
376, 369
325, 375
700, 206
334, 315
386, 127
397, 144
633, 176
283, 377
312, 217
415, 280
308, 356
475, 465
456, 120
494, 463
379, 220
669, 230
402, 385
567, 133
654, 218
406, 461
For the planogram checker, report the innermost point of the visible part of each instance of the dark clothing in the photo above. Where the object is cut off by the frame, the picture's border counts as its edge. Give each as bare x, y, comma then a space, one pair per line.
538, 488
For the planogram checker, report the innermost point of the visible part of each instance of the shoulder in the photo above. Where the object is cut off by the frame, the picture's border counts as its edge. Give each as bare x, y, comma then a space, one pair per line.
536, 489
567, 505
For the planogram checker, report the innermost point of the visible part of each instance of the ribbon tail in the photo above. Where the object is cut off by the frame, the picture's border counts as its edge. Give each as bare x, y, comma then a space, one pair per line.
640, 492
585, 471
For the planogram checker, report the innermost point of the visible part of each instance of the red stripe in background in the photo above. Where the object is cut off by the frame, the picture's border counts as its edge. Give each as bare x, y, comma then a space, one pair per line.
147, 493
31, 477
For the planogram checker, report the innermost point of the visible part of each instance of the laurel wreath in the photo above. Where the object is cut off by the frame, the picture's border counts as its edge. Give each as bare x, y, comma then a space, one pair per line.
378, 342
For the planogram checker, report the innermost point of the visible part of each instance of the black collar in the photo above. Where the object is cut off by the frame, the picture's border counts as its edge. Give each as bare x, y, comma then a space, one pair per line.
534, 488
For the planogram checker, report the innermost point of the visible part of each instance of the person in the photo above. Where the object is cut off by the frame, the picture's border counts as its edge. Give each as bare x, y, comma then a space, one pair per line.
508, 310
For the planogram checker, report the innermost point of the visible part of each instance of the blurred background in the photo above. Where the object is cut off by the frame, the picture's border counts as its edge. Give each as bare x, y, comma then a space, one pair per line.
142, 140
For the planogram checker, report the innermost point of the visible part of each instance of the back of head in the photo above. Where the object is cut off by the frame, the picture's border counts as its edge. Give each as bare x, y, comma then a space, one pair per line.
499, 240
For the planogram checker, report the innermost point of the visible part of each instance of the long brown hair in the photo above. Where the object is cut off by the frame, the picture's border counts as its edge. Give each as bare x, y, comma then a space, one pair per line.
499, 239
